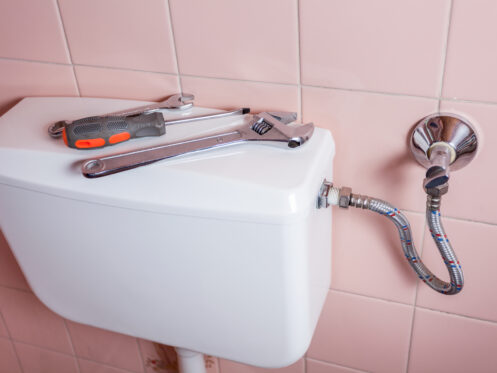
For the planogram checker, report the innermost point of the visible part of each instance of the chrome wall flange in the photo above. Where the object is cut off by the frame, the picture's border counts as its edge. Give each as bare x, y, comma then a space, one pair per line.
449, 130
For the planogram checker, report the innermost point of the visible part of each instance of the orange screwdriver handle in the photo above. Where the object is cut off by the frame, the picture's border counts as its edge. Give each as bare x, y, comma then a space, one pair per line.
97, 132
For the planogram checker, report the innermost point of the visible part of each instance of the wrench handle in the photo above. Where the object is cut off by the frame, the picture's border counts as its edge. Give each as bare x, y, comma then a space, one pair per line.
112, 164
101, 131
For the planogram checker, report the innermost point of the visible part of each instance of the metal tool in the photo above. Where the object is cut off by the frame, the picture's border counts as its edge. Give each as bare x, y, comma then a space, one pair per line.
97, 132
175, 102
262, 127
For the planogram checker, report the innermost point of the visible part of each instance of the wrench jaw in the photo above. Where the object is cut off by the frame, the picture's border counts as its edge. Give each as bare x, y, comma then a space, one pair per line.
284, 117
302, 135
266, 127
181, 101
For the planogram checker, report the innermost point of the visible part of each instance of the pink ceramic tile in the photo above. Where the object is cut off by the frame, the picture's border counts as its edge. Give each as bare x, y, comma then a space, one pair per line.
368, 258
127, 34
471, 58
314, 366
28, 320
446, 343
103, 346
19, 79
227, 366
158, 357
371, 132
8, 359
228, 94
382, 45
475, 248
10, 273
32, 30
253, 40
479, 173
91, 367
362, 333
37, 360
136, 85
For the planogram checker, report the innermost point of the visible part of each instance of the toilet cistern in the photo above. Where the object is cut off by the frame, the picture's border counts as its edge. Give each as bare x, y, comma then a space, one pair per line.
222, 252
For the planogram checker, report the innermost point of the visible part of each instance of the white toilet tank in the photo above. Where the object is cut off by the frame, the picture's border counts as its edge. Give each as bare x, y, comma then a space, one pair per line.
222, 251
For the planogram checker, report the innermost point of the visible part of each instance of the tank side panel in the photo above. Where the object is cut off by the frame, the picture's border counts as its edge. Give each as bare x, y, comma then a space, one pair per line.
215, 286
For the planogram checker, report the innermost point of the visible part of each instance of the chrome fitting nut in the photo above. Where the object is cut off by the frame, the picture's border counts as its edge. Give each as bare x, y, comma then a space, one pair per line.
438, 191
344, 197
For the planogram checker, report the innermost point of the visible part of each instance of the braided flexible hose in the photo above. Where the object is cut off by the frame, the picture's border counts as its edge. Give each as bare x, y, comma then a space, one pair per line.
404, 229
440, 238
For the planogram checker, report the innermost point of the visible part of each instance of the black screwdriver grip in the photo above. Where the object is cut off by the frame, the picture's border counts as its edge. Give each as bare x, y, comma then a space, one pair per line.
97, 132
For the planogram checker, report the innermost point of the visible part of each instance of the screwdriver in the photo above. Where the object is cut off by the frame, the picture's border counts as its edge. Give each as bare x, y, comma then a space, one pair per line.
100, 131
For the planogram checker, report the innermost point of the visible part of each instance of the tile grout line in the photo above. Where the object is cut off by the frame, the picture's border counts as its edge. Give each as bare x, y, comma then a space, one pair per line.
453, 99
238, 80
370, 297
140, 352
493, 322
299, 65
68, 47
19, 289
34, 61
336, 364
218, 363
9, 336
106, 365
219, 366
473, 318
469, 220
71, 344
455, 218
17, 356
395, 94
409, 347
68, 355
466, 101
125, 69
88, 65
171, 29
444, 54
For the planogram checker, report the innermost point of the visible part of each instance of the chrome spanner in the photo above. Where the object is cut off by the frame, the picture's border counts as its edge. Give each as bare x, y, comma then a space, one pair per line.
175, 102
270, 126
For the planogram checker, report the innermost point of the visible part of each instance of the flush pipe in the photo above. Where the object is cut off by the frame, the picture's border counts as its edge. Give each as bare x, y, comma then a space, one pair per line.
440, 142
190, 361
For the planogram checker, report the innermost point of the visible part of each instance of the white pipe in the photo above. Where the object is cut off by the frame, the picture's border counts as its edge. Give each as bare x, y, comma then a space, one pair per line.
190, 361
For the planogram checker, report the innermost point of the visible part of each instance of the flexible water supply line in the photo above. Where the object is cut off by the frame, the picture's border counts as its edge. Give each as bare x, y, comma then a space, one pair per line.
343, 197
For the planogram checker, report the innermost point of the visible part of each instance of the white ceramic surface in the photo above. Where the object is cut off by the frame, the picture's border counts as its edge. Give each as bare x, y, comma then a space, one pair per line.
222, 252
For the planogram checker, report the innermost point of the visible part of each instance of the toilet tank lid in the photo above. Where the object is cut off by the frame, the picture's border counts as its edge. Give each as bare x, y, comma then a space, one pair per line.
249, 181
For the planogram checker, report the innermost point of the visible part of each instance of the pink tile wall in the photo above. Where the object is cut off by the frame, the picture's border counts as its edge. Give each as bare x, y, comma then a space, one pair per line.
367, 71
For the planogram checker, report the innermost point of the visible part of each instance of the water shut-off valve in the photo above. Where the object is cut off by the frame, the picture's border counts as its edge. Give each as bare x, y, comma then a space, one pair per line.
441, 143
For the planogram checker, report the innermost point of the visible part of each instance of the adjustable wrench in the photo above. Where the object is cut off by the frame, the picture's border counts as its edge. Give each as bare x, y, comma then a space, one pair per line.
262, 127
175, 102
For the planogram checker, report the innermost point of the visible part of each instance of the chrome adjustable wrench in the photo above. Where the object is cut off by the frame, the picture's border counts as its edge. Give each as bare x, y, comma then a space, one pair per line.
262, 127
